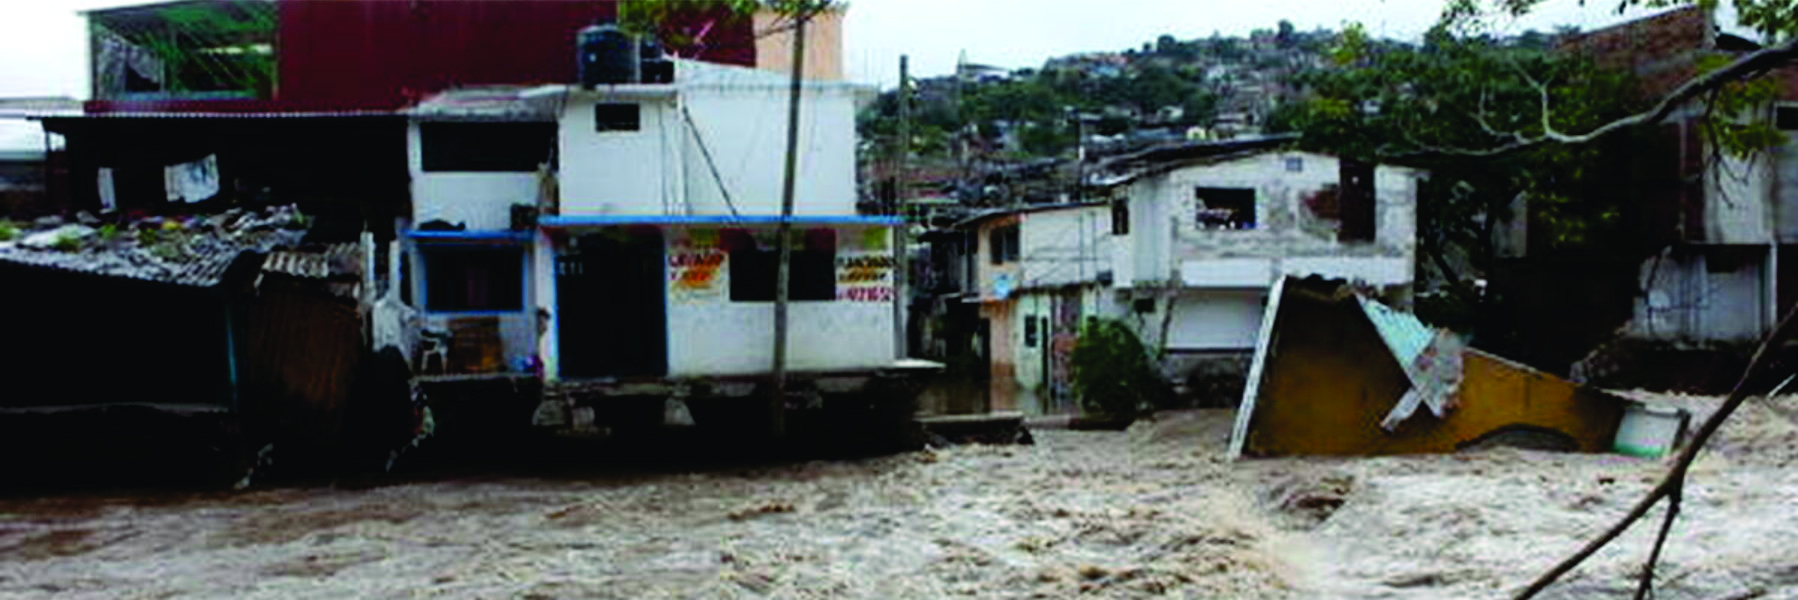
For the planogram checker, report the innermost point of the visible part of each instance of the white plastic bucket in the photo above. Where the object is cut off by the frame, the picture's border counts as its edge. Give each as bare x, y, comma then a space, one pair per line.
1649, 431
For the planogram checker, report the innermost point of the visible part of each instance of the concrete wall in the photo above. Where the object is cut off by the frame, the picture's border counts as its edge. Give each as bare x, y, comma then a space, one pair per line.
1693, 296
620, 172
1785, 183
1327, 381
823, 45
481, 201
1216, 320
708, 334
1002, 319
1164, 233
741, 114
986, 274
1065, 246
1738, 203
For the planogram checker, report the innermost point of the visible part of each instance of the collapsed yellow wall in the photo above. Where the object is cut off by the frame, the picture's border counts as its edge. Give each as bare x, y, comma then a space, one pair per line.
1329, 381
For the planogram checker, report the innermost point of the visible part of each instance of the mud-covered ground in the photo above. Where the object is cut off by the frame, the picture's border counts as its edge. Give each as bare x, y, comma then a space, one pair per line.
1155, 511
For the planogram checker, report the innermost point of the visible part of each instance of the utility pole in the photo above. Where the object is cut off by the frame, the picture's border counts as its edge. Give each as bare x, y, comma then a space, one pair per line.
902, 233
784, 232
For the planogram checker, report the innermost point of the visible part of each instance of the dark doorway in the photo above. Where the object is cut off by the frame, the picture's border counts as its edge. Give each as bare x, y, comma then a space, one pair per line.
612, 319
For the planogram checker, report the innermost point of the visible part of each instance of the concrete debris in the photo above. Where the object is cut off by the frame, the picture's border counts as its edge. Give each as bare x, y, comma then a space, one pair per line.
1341, 374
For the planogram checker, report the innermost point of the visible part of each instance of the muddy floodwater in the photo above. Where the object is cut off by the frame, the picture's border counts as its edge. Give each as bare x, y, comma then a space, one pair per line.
1155, 511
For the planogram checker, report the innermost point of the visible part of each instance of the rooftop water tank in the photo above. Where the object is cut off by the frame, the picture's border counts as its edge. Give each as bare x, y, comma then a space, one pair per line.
657, 67
608, 55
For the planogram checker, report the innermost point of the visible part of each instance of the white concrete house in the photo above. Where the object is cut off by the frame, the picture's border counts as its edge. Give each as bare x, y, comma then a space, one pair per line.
1186, 250
624, 235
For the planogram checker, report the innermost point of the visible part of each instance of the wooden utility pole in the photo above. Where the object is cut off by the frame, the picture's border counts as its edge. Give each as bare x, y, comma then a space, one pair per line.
784, 232
902, 193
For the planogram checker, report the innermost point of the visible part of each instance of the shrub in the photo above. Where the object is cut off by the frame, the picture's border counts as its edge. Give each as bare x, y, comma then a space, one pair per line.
1113, 375
66, 242
8, 231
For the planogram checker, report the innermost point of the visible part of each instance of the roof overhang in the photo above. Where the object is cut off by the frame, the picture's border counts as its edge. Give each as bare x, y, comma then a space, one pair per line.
569, 222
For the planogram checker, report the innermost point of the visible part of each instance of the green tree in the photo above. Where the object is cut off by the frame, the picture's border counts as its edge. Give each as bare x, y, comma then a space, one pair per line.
1725, 83
1113, 375
1427, 105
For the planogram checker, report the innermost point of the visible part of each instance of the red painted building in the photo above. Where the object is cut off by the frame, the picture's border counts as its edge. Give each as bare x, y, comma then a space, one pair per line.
337, 55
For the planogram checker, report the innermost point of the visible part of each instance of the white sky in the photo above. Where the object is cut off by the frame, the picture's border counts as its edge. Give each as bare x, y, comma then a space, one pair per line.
43, 43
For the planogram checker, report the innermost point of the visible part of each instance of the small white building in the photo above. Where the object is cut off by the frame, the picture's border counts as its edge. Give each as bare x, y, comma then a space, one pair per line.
1186, 250
625, 235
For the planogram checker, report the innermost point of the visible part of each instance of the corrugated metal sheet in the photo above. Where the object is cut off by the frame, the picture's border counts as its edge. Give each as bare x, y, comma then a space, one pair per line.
337, 261
1402, 332
379, 54
301, 351
511, 103
197, 255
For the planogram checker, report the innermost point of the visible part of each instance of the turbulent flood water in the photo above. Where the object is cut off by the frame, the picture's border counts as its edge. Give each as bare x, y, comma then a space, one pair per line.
1153, 512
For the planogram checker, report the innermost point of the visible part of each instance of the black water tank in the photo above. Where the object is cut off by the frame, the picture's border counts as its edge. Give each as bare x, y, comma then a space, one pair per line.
608, 55
656, 66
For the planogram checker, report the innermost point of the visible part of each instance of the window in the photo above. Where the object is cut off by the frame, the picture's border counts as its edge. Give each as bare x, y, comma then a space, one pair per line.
1120, 217
1002, 244
1030, 333
1295, 164
473, 279
488, 147
1226, 208
755, 266
1786, 117
617, 117
1355, 202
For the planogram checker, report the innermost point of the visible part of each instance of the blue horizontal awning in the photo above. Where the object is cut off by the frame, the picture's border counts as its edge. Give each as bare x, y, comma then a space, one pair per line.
566, 221
470, 236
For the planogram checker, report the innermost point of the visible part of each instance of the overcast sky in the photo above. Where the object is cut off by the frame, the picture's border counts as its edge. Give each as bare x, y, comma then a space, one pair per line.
43, 42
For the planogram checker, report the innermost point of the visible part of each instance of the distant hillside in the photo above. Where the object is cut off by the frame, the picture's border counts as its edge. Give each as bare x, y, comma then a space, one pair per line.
1224, 85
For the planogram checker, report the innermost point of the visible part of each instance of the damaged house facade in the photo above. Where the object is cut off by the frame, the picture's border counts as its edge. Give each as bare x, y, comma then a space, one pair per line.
1185, 249
1731, 269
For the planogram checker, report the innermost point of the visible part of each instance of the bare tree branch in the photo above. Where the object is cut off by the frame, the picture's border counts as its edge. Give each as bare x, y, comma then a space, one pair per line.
1671, 483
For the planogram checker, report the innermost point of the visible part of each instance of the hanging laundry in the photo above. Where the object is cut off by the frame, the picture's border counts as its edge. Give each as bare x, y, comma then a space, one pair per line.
109, 198
192, 181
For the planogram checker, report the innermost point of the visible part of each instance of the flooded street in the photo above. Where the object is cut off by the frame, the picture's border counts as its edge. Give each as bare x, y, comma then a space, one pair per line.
1151, 512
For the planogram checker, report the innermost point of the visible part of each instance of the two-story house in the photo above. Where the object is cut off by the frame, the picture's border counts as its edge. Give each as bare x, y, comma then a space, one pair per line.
1184, 248
619, 240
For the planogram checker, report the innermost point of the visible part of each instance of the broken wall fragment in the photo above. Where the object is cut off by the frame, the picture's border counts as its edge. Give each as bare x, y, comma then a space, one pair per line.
1339, 374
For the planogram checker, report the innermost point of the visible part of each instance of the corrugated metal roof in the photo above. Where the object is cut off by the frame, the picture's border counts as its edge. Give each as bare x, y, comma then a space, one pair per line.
1403, 332
196, 254
333, 262
204, 115
508, 103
